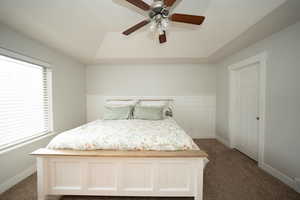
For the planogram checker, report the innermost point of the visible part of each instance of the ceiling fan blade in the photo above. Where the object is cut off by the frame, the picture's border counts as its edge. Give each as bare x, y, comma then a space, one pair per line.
136, 27
140, 4
190, 19
169, 3
163, 38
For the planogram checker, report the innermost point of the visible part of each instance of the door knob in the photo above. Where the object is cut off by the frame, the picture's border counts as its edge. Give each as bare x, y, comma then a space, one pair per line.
258, 118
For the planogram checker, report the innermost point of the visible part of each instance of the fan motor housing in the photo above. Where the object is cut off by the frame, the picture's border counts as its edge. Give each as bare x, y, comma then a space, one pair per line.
159, 11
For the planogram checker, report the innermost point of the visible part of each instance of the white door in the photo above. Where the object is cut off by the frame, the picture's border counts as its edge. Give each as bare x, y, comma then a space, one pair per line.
247, 111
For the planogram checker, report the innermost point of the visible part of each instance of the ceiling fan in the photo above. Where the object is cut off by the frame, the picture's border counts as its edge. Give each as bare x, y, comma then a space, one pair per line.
159, 16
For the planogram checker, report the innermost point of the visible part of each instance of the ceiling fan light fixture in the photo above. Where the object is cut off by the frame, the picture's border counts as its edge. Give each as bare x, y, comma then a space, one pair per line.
159, 17
159, 25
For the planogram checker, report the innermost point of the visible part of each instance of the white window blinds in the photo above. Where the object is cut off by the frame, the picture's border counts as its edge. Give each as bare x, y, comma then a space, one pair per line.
24, 101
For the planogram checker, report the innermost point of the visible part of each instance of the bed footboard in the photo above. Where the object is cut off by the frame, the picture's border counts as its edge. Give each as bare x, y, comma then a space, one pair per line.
120, 176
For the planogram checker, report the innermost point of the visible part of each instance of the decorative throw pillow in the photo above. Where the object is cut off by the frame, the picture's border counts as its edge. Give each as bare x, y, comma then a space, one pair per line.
148, 113
164, 104
117, 112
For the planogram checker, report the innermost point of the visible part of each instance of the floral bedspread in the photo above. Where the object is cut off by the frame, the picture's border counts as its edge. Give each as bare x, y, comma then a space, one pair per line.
160, 135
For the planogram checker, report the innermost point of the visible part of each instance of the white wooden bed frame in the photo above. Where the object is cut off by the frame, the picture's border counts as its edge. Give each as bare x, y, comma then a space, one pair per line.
120, 173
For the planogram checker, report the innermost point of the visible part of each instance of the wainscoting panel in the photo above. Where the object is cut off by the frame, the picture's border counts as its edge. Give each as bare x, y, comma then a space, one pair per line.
195, 114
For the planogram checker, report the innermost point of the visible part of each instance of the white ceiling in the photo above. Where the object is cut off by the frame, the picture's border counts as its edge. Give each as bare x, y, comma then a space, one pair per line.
90, 30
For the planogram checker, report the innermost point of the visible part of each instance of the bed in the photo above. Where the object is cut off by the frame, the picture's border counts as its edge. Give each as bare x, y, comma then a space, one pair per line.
122, 158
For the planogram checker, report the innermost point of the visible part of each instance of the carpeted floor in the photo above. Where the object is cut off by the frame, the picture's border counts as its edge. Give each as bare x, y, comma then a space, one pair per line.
229, 175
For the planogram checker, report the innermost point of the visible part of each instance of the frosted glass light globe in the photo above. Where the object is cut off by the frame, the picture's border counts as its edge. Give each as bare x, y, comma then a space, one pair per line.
153, 26
164, 24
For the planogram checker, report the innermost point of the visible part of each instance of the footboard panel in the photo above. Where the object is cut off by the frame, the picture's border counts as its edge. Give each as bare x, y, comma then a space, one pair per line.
112, 176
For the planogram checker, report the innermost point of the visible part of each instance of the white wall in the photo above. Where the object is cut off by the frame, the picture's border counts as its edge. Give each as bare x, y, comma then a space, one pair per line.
68, 100
192, 86
151, 80
282, 139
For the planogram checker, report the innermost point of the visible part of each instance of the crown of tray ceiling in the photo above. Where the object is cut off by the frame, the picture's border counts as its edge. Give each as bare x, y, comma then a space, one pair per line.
91, 31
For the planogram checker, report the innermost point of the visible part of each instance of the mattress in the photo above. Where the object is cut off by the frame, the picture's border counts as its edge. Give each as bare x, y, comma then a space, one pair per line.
159, 135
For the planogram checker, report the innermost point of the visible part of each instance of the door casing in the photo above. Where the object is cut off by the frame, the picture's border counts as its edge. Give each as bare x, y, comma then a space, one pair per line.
259, 59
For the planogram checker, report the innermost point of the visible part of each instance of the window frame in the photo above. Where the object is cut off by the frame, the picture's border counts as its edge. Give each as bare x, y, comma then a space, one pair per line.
23, 58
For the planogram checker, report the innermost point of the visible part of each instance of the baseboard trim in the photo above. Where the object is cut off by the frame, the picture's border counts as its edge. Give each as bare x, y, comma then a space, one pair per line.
223, 140
16, 179
281, 176
274, 172
297, 183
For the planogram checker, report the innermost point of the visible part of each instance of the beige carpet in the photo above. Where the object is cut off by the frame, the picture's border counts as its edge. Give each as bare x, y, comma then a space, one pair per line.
229, 176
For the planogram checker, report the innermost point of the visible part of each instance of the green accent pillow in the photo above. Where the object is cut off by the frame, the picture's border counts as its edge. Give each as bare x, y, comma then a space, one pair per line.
148, 113
117, 112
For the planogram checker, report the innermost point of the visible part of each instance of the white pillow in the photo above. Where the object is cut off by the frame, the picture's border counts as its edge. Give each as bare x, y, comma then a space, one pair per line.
121, 103
148, 112
161, 104
117, 112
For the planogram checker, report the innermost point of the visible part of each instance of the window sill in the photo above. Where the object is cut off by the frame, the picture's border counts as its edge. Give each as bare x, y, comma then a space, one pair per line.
26, 142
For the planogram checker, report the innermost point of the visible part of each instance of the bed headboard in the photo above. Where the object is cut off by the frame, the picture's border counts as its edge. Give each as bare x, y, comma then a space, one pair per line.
168, 112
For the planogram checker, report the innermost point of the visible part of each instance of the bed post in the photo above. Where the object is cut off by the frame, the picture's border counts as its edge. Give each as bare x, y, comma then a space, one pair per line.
199, 170
41, 176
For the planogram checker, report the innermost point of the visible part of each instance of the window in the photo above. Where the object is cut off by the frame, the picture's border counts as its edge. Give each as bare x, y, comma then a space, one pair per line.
24, 101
